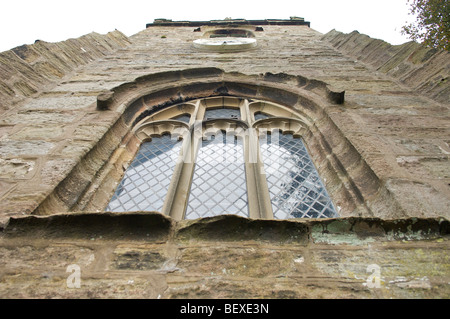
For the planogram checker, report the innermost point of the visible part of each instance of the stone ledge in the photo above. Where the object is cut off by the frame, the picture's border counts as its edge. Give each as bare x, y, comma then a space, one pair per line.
153, 226
108, 226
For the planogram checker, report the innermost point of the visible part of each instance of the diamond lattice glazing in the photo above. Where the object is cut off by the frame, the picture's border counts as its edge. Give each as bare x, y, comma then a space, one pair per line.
146, 181
219, 185
184, 118
222, 113
295, 188
260, 116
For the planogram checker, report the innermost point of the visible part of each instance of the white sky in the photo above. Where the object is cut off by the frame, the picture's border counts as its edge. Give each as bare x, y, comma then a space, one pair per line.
24, 21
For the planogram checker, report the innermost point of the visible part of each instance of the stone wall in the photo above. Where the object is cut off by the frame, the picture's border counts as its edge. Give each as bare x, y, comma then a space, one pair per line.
43, 116
26, 69
423, 69
147, 255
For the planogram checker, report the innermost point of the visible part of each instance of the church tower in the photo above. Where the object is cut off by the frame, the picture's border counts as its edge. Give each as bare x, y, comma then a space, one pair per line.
224, 159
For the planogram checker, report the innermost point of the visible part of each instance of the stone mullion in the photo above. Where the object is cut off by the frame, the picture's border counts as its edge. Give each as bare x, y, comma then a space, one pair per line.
178, 194
257, 189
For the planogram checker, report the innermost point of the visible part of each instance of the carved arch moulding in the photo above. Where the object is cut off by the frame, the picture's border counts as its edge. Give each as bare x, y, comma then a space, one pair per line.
300, 105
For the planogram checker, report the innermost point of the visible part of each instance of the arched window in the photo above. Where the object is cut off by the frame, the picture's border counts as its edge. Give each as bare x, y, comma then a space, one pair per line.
235, 161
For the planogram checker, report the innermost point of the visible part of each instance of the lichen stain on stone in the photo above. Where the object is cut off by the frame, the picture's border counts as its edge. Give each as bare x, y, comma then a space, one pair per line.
361, 231
138, 259
337, 232
319, 236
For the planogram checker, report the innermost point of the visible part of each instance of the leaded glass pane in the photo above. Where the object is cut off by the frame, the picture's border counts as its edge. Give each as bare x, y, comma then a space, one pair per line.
219, 185
146, 181
260, 116
295, 188
222, 113
183, 118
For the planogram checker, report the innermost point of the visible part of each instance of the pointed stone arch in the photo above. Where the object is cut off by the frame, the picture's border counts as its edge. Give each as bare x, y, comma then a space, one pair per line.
349, 179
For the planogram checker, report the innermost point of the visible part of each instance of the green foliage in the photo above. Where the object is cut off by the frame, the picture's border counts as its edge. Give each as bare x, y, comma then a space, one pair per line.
432, 26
